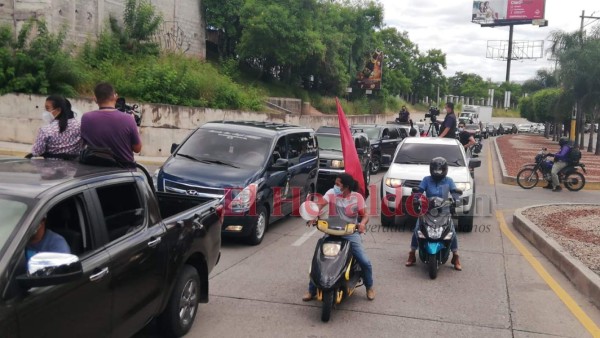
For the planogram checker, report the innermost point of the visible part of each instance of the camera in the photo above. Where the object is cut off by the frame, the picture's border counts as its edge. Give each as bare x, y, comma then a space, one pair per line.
433, 112
132, 110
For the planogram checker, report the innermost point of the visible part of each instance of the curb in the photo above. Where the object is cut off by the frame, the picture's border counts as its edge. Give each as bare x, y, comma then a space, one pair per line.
512, 180
584, 279
21, 154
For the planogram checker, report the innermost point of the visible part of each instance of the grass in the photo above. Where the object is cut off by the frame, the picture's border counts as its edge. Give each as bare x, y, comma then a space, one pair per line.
499, 112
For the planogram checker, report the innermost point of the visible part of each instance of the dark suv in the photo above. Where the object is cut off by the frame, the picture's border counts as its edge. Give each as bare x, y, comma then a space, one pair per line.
384, 139
331, 160
263, 170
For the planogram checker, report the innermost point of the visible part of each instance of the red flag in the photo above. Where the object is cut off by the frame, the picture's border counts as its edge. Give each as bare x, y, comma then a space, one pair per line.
351, 162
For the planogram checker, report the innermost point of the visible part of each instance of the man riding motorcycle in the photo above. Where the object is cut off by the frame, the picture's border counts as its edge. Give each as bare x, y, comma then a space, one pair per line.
436, 185
349, 205
560, 161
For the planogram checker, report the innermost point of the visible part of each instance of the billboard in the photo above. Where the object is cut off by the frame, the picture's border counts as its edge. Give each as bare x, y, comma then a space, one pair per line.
370, 76
507, 11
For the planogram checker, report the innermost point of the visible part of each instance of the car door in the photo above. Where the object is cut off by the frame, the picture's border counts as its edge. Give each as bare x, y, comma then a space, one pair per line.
389, 144
303, 161
79, 308
138, 255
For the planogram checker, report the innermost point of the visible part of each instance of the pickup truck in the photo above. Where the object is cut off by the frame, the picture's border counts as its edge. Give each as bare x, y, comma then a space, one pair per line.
135, 255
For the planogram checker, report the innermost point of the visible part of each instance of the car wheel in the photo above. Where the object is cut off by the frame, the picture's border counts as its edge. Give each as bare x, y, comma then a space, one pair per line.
178, 317
375, 164
260, 226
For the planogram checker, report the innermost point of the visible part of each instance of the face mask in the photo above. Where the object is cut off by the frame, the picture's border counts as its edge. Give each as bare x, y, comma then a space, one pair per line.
461, 129
47, 117
337, 190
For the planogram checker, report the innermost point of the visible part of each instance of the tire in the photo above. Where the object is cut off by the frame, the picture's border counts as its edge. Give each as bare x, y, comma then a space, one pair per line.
375, 164
527, 178
178, 317
465, 224
432, 266
574, 181
327, 305
260, 227
387, 221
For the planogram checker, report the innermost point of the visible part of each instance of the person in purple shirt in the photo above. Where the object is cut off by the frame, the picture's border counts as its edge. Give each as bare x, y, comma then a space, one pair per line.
46, 240
560, 161
108, 127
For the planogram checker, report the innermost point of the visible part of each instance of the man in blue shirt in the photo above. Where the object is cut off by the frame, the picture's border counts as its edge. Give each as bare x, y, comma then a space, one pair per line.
436, 185
448, 128
45, 240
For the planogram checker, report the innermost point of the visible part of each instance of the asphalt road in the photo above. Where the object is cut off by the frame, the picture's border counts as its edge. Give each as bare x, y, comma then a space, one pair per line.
256, 291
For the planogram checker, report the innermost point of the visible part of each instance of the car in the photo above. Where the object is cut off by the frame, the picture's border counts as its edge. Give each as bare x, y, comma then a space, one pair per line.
493, 128
474, 130
411, 164
331, 159
383, 139
524, 128
134, 254
262, 169
509, 128
403, 129
541, 128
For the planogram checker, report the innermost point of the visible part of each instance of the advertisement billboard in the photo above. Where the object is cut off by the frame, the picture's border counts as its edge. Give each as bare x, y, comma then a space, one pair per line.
507, 11
370, 76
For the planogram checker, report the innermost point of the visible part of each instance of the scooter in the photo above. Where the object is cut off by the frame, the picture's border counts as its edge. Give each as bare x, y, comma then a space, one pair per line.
334, 270
435, 232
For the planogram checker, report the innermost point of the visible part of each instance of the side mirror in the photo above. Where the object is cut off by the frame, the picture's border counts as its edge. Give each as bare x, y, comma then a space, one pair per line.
281, 164
458, 192
474, 163
386, 159
51, 268
174, 147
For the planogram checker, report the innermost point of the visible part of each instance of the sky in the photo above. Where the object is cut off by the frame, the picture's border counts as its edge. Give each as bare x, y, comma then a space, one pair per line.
446, 25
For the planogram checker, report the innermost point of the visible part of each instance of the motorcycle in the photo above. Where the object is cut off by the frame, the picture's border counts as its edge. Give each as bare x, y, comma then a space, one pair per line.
529, 176
435, 229
334, 270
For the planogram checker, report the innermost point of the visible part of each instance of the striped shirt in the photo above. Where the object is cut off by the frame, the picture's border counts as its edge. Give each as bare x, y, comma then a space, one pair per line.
50, 141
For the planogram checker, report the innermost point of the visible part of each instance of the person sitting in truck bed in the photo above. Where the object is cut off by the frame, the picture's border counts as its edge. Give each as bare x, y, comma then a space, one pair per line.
403, 115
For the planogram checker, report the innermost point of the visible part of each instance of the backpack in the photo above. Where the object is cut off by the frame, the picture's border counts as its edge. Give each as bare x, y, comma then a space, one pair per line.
574, 155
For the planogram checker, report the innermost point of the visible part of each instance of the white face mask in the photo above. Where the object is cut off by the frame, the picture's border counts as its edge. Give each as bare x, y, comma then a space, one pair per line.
461, 129
47, 117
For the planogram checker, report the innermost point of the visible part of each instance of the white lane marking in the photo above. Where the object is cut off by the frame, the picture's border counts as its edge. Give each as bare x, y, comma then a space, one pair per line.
304, 237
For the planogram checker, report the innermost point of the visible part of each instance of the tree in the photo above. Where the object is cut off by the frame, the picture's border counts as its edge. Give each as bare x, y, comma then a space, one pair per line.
223, 16
140, 21
429, 73
399, 60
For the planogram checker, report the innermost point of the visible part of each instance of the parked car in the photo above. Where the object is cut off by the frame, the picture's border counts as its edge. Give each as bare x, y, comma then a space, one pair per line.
474, 130
541, 128
134, 255
509, 128
411, 164
383, 139
262, 169
494, 128
524, 128
331, 159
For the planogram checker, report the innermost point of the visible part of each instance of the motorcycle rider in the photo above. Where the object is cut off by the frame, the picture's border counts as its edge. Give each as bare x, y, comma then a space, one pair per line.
560, 161
436, 185
349, 205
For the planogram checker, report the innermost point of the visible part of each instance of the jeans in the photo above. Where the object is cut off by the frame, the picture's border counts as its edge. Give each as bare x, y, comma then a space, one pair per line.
556, 167
414, 243
358, 251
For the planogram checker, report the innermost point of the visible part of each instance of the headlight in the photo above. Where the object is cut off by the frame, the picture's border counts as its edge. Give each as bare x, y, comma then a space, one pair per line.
337, 164
393, 182
448, 236
245, 198
464, 186
435, 233
331, 249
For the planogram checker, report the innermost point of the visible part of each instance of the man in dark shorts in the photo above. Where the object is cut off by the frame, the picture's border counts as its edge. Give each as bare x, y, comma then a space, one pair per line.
108, 127
448, 128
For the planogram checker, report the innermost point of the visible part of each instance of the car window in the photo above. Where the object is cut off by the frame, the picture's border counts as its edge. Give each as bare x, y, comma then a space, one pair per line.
122, 209
301, 147
373, 133
418, 153
11, 214
69, 219
227, 147
329, 142
394, 133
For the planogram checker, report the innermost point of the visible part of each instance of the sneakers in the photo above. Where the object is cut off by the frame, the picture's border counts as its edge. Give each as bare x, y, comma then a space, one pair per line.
370, 294
456, 262
412, 259
308, 297
557, 188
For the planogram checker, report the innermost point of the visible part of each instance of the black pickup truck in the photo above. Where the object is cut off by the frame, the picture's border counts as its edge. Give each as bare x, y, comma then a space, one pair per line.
135, 255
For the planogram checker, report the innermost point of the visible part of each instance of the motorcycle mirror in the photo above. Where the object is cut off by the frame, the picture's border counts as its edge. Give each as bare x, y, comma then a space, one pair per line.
415, 190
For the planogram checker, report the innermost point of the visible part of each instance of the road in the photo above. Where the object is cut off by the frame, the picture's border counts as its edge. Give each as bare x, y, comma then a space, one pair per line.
256, 291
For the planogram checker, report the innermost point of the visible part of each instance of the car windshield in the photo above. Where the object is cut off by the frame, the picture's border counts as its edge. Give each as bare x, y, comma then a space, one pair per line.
226, 148
11, 213
472, 127
329, 142
419, 153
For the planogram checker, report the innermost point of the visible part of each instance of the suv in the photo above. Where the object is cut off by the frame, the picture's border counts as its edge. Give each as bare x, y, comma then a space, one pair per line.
384, 139
331, 160
411, 165
263, 170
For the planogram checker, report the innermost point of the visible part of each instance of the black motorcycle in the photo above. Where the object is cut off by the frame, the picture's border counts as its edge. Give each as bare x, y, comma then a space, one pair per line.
529, 176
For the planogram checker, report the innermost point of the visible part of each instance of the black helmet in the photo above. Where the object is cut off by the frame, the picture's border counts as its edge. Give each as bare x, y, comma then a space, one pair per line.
563, 140
438, 168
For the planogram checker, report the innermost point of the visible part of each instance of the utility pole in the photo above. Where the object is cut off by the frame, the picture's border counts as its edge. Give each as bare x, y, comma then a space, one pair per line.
509, 56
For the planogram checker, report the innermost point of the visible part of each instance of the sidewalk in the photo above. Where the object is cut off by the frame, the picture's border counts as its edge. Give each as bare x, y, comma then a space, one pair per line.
22, 149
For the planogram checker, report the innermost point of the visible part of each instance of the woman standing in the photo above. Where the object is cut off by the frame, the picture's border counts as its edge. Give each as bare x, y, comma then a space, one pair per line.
61, 136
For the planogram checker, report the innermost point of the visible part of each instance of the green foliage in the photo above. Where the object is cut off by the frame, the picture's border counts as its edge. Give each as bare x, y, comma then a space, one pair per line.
526, 107
545, 105
36, 63
140, 25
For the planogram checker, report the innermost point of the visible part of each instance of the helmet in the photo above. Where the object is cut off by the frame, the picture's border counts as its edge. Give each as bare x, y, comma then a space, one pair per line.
438, 168
563, 141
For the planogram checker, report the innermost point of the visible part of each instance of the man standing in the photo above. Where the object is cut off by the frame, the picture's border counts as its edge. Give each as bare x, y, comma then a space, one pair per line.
108, 127
449, 125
